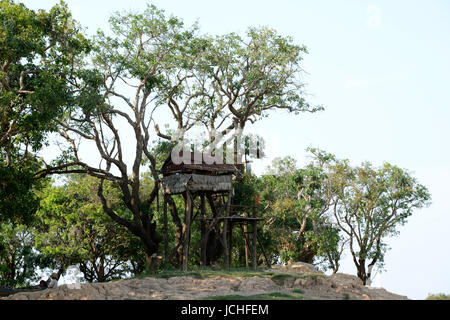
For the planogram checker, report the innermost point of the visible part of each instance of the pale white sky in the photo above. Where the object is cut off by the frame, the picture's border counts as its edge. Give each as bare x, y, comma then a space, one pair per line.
382, 70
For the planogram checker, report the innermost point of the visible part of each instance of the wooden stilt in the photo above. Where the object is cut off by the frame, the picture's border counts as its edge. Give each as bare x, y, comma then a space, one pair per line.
230, 246
187, 231
204, 238
225, 229
244, 235
224, 242
254, 240
166, 234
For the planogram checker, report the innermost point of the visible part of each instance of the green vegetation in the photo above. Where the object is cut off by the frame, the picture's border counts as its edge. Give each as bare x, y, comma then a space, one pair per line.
298, 291
72, 229
17, 257
439, 296
298, 223
38, 54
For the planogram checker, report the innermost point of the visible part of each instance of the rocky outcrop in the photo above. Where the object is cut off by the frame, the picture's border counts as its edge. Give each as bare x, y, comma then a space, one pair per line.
303, 278
156, 289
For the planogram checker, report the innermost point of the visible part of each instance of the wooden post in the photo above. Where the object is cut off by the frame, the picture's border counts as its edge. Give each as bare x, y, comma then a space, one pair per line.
244, 233
224, 241
187, 232
166, 233
225, 227
230, 246
255, 239
203, 230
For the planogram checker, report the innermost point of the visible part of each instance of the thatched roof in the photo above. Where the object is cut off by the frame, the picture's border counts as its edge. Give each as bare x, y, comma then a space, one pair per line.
197, 163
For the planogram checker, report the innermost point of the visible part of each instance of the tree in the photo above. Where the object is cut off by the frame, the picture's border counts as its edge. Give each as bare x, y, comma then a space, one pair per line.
73, 230
229, 81
169, 65
18, 201
296, 209
371, 203
38, 52
141, 45
18, 260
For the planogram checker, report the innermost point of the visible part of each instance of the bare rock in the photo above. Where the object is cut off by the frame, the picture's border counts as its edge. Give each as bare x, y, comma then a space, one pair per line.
343, 279
312, 281
315, 286
382, 294
302, 267
258, 284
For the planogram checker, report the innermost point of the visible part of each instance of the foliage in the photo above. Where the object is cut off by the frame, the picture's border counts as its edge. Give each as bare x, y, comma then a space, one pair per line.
38, 52
74, 230
296, 203
18, 260
371, 203
439, 296
18, 200
244, 191
38, 56
250, 76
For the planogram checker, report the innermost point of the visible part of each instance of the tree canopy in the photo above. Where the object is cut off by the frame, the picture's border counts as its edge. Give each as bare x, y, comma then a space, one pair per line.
370, 204
39, 57
73, 230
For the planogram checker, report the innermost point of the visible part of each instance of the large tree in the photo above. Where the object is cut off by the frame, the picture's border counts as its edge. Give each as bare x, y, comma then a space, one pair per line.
130, 60
370, 204
38, 54
72, 230
229, 81
18, 259
296, 206
151, 65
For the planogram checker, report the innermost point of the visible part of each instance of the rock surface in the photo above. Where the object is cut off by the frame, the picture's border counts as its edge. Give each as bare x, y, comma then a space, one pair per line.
299, 277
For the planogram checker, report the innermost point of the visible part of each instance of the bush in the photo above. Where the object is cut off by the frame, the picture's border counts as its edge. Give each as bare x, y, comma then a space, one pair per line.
439, 296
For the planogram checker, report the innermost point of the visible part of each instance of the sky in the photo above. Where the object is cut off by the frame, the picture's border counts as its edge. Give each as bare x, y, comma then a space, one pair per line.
381, 69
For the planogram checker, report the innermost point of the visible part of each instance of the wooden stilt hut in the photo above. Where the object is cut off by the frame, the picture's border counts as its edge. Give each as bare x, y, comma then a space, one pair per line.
199, 175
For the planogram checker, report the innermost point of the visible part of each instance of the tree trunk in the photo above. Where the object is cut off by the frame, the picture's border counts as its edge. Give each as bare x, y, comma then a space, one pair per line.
101, 271
141, 225
214, 246
178, 231
150, 248
361, 271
